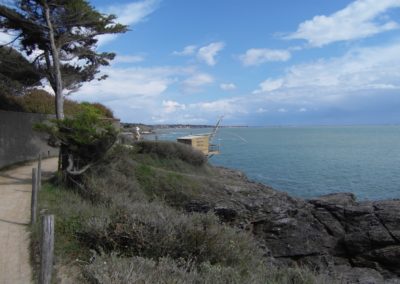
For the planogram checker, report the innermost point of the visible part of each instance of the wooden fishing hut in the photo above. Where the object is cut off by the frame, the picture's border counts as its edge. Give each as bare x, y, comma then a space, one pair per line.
200, 142
203, 142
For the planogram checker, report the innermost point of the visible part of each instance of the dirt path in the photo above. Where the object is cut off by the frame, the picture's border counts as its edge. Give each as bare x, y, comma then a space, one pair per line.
15, 202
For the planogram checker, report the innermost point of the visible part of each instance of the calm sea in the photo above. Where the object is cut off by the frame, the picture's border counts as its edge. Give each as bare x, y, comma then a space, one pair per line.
312, 161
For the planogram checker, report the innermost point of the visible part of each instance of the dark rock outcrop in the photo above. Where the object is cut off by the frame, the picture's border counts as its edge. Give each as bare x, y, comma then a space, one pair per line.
355, 242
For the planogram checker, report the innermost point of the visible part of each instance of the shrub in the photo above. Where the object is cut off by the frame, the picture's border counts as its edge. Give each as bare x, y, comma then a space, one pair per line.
116, 270
40, 101
154, 230
105, 111
70, 212
83, 139
140, 239
172, 150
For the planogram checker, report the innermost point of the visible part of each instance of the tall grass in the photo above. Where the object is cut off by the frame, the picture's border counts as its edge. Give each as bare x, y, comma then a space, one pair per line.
126, 235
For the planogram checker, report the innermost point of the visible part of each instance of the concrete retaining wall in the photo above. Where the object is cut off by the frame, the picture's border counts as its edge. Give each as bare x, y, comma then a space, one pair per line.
18, 141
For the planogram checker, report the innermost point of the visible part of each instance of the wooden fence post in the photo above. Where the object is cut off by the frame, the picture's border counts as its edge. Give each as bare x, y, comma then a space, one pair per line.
47, 249
39, 173
34, 196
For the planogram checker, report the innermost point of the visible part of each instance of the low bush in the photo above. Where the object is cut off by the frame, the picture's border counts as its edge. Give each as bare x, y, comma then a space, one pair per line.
172, 150
70, 212
83, 139
154, 230
117, 270
121, 227
40, 101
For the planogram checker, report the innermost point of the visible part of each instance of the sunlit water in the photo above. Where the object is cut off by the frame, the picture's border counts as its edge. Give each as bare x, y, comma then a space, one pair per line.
312, 161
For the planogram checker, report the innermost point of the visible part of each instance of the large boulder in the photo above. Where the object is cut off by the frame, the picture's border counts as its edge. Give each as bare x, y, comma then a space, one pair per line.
355, 242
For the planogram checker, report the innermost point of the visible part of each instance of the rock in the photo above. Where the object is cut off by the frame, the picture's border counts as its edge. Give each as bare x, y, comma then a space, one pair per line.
198, 206
355, 242
346, 274
337, 199
225, 214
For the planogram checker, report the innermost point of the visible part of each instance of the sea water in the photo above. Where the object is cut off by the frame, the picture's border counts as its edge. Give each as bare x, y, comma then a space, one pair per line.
312, 161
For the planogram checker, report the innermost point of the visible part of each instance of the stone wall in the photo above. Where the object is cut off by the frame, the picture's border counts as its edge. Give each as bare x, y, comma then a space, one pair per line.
18, 141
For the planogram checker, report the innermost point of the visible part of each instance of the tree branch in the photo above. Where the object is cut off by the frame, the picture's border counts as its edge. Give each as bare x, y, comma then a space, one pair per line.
4, 45
70, 169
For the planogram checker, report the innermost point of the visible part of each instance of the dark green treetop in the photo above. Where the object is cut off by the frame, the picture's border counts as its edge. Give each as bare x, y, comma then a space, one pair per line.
16, 72
61, 36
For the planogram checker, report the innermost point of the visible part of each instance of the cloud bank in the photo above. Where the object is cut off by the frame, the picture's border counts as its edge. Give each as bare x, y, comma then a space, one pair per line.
256, 56
129, 14
358, 20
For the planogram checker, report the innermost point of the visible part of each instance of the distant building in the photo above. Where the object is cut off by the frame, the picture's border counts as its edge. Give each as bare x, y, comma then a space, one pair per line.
200, 142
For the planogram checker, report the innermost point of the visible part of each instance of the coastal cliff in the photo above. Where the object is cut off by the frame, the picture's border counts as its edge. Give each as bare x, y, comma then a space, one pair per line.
158, 212
356, 242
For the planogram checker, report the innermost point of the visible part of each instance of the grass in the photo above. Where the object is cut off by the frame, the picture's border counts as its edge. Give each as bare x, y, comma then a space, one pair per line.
173, 187
70, 211
126, 224
113, 269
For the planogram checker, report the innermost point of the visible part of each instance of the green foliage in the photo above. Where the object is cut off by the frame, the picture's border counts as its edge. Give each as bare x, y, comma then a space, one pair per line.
121, 218
70, 211
174, 188
85, 137
75, 27
117, 270
16, 72
154, 230
104, 111
168, 150
40, 101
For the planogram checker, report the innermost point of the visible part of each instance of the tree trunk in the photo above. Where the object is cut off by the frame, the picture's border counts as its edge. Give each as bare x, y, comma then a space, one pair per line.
59, 104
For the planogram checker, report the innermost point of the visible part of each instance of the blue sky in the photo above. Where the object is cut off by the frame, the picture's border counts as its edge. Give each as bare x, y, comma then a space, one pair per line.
256, 62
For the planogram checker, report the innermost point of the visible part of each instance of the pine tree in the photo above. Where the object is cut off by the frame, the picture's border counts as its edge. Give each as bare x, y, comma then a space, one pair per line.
17, 74
63, 35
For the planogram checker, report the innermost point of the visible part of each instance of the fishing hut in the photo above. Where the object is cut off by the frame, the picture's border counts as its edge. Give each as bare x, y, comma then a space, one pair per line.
203, 142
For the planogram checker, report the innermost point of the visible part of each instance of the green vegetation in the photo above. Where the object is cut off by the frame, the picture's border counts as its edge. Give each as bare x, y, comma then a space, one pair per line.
40, 101
83, 139
16, 72
64, 32
165, 150
125, 224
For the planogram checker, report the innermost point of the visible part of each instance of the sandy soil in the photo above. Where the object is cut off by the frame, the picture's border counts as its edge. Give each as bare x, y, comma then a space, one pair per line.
15, 202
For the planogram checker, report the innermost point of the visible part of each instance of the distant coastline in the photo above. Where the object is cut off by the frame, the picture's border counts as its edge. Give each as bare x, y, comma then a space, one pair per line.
152, 127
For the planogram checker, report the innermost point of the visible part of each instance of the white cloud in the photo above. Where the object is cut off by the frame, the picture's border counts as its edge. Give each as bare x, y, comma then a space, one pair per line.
6, 37
204, 54
129, 14
227, 86
261, 110
140, 84
134, 12
142, 94
195, 82
187, 50
209, 52
362, 70
178, 118
358, 20
137, 93
257, 56
128, 59
219, 107
269, 85
172, 106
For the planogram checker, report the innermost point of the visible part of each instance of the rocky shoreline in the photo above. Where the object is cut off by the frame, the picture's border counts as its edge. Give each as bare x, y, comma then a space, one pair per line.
350, 241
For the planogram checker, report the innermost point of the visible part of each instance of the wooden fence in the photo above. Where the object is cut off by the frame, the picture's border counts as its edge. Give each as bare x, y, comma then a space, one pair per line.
47, 232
